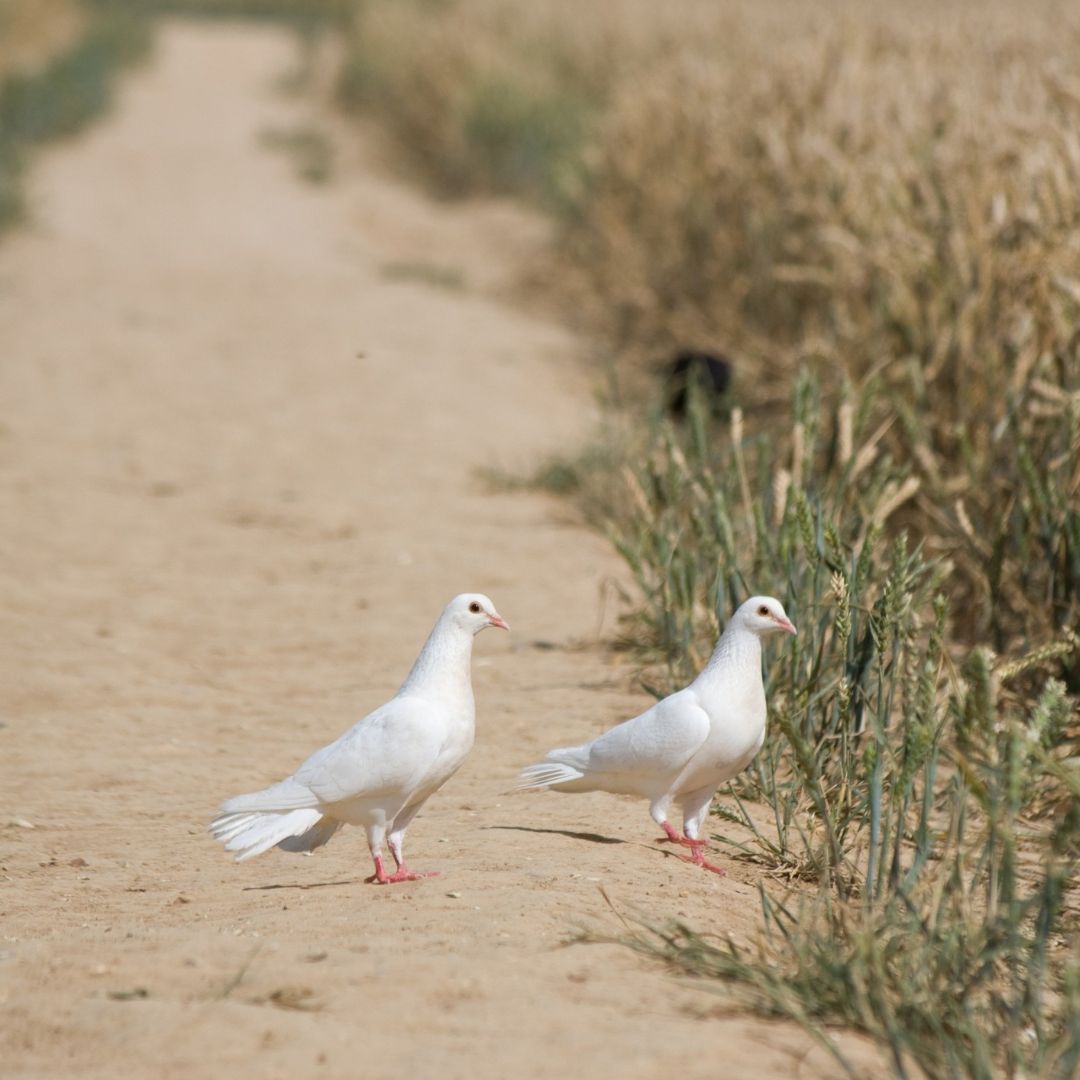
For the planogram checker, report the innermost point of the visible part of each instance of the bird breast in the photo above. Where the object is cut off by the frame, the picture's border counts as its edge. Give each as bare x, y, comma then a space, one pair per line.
736, 732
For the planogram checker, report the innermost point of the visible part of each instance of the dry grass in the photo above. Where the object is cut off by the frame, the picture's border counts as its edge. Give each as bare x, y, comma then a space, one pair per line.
890, 203
34, 31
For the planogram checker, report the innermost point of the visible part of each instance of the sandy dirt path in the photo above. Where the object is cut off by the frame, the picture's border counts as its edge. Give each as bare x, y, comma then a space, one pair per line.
239, 436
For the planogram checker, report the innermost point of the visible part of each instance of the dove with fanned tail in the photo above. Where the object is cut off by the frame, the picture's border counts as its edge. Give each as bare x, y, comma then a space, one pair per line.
384, 768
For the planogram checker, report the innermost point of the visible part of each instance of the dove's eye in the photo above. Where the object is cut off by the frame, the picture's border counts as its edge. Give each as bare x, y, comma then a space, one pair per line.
474, 607
763, 610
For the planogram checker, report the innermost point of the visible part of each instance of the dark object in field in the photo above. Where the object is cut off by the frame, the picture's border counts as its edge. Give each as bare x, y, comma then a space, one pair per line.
710, 372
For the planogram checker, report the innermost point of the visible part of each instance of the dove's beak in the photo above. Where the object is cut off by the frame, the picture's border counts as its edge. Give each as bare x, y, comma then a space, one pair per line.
499, 621
784, 624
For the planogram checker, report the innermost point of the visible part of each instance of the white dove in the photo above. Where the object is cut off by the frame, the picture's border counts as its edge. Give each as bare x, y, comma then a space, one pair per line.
684, 747
384, 768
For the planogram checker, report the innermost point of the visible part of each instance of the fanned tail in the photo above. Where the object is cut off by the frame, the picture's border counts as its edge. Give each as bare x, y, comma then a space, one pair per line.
554, 772
251, 832
287, 795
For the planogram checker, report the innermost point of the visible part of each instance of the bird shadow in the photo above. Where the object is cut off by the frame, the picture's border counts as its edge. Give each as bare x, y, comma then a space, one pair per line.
298, 885
592, 838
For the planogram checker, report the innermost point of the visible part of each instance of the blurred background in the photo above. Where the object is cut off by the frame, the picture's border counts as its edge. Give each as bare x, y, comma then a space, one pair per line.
883, 201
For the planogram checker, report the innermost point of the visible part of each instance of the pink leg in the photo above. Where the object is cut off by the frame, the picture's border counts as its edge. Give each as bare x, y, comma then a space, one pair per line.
674, 837
379, 877
402, 873
695, 847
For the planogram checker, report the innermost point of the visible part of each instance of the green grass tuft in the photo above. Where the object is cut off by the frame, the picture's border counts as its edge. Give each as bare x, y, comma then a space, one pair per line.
66, 92
924, 795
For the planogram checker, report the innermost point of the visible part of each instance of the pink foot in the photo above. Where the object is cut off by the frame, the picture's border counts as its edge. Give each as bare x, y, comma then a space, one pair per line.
695, 846
403, 873
380, 876
672, 837
698, 859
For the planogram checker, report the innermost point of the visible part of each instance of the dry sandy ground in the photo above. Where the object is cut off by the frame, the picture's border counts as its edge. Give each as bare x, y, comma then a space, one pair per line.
239, 438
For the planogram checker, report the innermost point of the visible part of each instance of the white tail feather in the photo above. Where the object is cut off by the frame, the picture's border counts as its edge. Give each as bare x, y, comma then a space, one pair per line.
226, 827
546, 774
288, 795
251, 834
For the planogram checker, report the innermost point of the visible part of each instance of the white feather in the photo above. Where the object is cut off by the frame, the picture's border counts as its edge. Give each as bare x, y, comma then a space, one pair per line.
548, 774
260, 832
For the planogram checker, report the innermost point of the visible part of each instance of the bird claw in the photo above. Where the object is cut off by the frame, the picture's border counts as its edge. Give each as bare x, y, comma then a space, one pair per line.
402, 873
697, 859
672, 837
695, 846
684, 840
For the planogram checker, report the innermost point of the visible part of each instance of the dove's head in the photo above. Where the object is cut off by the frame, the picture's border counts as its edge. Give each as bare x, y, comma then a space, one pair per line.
474, 612
763, 615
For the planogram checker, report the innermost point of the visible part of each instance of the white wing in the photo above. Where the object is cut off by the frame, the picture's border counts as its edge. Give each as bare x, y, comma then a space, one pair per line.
390, 751
642, 756
660, 740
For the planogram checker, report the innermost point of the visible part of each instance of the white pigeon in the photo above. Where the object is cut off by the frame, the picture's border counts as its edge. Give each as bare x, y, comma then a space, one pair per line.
384, 768
684, 747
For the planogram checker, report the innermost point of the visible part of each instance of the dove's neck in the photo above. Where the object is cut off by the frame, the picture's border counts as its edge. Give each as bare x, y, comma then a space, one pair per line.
736, 651
443, 666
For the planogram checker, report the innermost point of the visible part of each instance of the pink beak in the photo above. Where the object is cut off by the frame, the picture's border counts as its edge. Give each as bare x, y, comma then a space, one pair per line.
788, 626
499, 621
